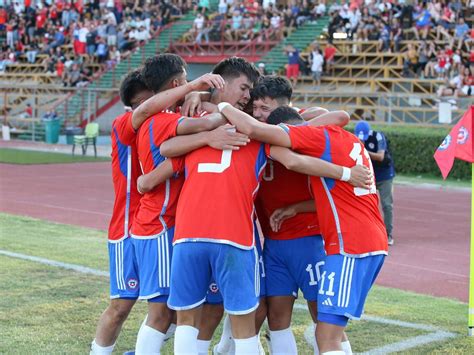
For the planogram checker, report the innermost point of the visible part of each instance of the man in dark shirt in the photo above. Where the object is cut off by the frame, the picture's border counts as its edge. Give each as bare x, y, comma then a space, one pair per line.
379, 151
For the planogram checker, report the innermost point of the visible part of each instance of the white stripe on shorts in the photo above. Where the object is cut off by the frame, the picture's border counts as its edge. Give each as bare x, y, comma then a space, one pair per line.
350, 282
341, 282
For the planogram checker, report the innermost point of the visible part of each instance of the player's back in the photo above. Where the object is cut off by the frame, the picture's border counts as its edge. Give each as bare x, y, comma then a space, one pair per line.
216, 202
125, 171
349, 217
279, 188
158, 207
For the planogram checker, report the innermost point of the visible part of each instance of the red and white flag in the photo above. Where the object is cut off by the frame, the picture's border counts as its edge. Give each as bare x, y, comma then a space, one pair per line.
457, 144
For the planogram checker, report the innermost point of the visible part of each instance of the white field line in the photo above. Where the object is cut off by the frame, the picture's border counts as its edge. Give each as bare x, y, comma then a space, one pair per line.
435, 334
77, 268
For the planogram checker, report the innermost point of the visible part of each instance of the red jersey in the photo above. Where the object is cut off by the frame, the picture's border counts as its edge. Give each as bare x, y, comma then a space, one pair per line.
125, 171
329, 53
349, 217
157, 208
217, 201
281, 187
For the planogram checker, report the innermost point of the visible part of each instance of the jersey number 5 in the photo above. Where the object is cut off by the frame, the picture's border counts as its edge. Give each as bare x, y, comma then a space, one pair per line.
217, 167
356, 155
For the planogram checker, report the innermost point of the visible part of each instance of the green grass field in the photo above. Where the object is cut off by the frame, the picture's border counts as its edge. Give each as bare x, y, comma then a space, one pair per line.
19, 156
50, 310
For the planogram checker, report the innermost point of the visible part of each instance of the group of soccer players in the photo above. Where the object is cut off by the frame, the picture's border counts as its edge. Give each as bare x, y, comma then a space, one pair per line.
197, 189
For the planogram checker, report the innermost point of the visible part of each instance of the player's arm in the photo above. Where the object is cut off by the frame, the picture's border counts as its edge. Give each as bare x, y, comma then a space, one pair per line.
338, 118
160, 174
379, 156
223, 137
165, 99
281, 214
248, 125
358, 175
196, 125
313, 112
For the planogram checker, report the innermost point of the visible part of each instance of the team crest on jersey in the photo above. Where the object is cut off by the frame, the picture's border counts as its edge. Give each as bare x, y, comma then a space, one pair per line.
463, 135
132, 283
446, 143
213, 288
371, 145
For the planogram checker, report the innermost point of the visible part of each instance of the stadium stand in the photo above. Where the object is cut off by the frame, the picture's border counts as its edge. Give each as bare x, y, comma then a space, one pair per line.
397, 60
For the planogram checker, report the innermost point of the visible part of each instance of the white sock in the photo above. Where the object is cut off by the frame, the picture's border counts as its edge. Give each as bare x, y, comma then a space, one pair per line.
346, 346
149, 341
226, 338
185, 340
203, 347
101, 350
247, 346
334, 352
170, 331
283, 342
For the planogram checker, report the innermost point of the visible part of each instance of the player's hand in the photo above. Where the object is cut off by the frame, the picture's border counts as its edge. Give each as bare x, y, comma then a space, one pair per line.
279, 215
361, 176
206, 81
140, 184
225, 137
192, 105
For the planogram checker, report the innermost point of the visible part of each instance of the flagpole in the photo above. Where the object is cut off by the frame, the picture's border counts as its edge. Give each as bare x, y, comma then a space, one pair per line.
471, 274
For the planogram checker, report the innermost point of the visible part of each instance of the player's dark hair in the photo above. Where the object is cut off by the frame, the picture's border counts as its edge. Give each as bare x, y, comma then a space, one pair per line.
161, 69
285, 114
233, 67
274, 87
131, 85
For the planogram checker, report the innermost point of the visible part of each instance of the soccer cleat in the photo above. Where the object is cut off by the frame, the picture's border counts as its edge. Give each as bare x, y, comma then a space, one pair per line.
390, 240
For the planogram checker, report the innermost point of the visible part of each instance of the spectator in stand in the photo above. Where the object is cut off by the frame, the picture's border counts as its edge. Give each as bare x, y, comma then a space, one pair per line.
293, 66
423, 58
442, 65
446, 23
430, 71
451, 87
410, 61
3, 18
384, 39
423, 23
329, 54
467, 88
102, 51
461, 33
32, 51
222, 7
261, 69
316, 61
320, 9
396, 34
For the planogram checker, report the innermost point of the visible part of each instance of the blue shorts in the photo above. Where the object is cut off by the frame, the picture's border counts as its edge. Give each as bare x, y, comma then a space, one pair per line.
213, 294
154, 265
123, 270
294, 264
235, 270
344, 286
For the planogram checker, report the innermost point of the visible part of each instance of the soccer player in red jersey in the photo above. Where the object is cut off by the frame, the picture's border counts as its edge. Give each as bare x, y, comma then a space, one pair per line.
293, 253
354, 234
153, 227
125, 170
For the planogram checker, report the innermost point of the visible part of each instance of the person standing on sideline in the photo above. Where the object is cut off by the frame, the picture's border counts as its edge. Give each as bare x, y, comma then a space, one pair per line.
379, 151
293, 67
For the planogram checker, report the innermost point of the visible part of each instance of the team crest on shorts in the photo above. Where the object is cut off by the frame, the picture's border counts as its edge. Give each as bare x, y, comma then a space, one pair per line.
446, 143
132, 283
213, 288
463, 135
